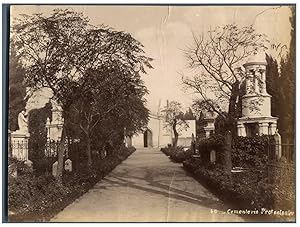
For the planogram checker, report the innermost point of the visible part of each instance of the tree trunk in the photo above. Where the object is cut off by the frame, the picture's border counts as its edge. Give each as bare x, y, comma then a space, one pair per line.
60, 157
175, 134
227, 153
233, 108
89, 153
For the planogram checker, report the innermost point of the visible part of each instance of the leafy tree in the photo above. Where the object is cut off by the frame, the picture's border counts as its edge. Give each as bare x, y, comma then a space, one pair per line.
108, 92
218, 57
288, 85
17, 90
58, 50
282, 87
38, 133
174, 119
273, 85
189, 115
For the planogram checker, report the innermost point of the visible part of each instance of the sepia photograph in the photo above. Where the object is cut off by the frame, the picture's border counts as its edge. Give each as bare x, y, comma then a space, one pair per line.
150, 113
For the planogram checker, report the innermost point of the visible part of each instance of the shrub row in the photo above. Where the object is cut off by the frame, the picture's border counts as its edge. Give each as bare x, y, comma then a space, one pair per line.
38, 198
245, 190
258, 185
177, 154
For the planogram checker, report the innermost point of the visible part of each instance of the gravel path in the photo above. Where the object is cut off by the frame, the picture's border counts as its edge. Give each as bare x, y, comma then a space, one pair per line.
147, 187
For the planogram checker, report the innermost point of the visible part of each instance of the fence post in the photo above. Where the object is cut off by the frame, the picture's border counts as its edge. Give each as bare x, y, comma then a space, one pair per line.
278, 151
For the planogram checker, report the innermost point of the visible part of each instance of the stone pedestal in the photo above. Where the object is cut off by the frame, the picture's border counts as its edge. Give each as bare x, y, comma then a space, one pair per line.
19, 145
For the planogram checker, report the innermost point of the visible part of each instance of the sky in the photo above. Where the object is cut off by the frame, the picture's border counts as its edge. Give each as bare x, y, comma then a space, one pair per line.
166, 31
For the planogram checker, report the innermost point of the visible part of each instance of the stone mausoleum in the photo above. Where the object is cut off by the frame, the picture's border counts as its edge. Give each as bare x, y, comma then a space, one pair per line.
256, 102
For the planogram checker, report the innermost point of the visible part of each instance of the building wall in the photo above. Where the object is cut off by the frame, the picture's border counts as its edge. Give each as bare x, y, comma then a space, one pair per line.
161, 137
185, 136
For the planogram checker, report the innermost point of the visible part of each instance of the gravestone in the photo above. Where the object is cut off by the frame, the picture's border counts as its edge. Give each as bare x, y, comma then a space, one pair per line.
213, 156
54, 169
68, 165
29, 164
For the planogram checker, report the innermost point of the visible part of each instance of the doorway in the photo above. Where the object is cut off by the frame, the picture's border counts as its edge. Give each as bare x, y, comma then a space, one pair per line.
148, 138
252, 129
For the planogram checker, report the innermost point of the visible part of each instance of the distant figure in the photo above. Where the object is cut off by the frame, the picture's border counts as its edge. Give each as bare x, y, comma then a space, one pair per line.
23, 122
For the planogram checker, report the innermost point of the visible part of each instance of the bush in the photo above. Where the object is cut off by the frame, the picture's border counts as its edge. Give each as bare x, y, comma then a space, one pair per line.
36, 198
20, 166
249, 189
263, 184
205, 146
177, 154
251, 152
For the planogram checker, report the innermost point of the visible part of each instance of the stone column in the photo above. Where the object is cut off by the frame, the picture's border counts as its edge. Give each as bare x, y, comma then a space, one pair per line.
273, 128
241, 129
263, 128
256, 85
248, 83
263, 80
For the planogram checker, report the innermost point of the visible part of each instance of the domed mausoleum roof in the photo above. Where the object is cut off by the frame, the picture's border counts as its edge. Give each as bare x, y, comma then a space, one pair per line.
256, 59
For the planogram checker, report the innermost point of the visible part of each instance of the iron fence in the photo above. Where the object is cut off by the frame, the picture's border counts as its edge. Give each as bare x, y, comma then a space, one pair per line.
19, 149
288, 152
283, 151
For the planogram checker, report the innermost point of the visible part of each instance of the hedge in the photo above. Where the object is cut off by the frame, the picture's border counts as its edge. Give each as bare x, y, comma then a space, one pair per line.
177, 154
38, 198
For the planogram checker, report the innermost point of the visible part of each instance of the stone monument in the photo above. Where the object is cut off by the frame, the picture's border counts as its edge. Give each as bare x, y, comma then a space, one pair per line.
54, 127
256, 102
206, 124
19, 139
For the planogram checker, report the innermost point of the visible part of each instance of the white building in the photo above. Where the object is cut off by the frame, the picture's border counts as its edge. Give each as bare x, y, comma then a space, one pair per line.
156, 135
159, 135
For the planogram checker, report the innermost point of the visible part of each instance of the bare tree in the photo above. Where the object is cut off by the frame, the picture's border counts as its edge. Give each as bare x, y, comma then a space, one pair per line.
216, 59
175, 119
